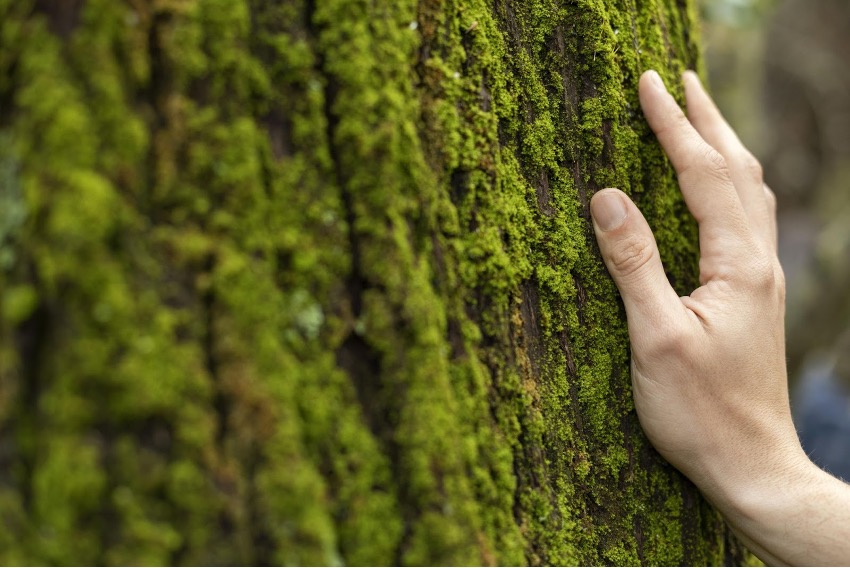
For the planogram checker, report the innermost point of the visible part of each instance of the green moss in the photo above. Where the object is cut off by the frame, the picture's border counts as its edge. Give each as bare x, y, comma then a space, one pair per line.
314, 283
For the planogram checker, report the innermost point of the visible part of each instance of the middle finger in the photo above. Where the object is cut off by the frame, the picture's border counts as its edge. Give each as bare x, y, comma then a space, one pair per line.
744, 169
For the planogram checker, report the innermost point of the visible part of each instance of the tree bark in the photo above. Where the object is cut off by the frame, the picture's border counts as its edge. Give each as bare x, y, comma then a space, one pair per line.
314, 282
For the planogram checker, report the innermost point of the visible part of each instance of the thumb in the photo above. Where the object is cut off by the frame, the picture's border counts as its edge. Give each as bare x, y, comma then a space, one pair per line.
631, 255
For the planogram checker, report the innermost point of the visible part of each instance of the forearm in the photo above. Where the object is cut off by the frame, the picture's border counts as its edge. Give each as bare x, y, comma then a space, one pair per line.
801, 516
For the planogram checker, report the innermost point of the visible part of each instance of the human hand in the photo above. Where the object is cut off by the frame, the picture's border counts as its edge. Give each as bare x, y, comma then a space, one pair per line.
708, 370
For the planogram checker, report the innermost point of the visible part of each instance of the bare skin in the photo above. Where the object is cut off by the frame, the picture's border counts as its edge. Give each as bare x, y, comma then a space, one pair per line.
708, 370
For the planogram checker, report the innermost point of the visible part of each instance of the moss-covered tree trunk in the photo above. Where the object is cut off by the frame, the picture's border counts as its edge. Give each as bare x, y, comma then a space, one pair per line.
313, 281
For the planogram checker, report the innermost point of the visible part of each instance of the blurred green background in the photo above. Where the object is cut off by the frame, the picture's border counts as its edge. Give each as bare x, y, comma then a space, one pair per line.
780, 70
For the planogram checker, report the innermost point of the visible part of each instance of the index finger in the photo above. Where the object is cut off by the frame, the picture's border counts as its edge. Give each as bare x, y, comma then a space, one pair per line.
703, 176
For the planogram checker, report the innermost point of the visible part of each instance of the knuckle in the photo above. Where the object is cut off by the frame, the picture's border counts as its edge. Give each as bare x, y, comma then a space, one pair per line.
763, 276
753, 167
708, 164
779, 281
766, 279
632, 255
770, 197
715, 163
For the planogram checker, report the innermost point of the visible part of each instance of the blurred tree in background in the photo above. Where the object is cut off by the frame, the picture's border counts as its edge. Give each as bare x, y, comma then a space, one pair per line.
313, 281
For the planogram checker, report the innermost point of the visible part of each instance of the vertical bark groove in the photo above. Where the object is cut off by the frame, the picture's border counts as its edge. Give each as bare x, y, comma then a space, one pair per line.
323, 287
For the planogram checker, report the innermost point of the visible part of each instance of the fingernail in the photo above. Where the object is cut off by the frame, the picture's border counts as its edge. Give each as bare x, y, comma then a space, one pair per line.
608, 210
657, 81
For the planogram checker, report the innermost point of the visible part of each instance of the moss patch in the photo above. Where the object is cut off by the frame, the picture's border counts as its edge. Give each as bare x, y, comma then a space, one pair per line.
315, 283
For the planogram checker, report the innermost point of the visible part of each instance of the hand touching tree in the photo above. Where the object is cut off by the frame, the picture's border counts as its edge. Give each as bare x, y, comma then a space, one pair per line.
708, 370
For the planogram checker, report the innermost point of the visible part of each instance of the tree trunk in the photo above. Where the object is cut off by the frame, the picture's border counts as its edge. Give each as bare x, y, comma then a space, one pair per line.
314, 281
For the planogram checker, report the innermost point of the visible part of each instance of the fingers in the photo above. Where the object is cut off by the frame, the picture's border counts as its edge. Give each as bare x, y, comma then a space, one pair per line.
703, 175
631, 255
744, 169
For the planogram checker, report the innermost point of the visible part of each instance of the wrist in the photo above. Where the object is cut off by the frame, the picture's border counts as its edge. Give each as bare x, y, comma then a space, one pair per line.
761, 502
783, 507
761, 494
745, 479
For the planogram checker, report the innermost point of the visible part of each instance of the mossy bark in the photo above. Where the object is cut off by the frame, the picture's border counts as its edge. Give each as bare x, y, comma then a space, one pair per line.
313, 281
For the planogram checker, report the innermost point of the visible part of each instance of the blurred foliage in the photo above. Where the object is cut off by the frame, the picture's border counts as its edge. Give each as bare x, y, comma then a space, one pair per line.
12, 210
734, 12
